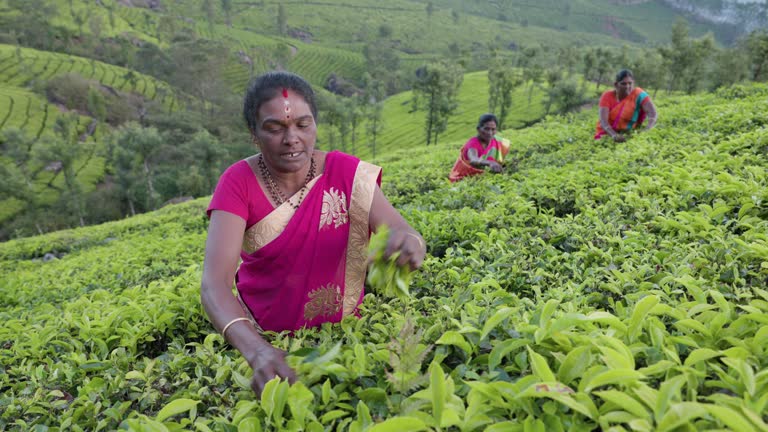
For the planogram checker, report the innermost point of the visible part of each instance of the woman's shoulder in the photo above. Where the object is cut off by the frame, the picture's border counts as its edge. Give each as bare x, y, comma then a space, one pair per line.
340, 159
473, 142
240, 172
346, 164
241, 166
608, 98
610, 93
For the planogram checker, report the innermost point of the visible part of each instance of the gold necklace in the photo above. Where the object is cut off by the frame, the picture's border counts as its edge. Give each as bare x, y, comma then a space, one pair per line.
277, 195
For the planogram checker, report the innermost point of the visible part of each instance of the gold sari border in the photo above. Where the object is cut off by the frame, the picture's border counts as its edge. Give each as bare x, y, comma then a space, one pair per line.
361, 199
269, 228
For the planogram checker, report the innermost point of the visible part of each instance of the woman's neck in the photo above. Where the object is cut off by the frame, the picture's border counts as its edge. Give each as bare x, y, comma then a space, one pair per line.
290, 182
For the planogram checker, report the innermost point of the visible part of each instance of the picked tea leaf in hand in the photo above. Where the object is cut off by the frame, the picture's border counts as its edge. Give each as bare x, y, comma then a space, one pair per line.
384, 275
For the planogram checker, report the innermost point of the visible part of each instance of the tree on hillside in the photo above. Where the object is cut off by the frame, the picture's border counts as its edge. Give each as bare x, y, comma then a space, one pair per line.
226, 6
32, 24
588, 62
756, 47
282, 20
133, 154
684, 58
648, 69
166, 27
210, 13
64, 150
729, 66
97, 106
604, 63
354, 115
552, 77
566, 95
199, 66
437, 85
373, 107
502, 79
17, 177
382, 62
568, 58
530, 62
207, 154
328, 106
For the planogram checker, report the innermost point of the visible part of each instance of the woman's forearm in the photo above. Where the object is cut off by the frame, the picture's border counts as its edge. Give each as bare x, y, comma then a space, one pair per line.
607, 128
605, 123
650, 109
222, 308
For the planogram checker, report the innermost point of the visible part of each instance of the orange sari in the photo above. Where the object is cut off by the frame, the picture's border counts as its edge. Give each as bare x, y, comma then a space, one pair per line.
625, 114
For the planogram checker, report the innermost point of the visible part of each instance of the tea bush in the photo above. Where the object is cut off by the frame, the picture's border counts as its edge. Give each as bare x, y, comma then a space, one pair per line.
595, 286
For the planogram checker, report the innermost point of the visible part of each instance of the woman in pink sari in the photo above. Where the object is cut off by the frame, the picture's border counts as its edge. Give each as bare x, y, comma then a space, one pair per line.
481, 151
298, 220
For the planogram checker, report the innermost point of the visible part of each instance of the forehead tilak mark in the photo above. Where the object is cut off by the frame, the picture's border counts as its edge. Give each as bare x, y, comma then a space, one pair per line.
287, 104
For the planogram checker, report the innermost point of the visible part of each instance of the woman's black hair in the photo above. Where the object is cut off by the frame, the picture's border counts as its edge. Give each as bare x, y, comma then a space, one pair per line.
623, 74
485, 118
267, 86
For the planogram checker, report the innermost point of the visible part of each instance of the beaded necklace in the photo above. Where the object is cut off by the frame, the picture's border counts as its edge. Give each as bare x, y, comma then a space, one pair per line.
274, 190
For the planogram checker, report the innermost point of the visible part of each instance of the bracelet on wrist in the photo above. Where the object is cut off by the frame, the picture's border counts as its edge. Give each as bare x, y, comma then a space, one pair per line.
229, 324
421, 242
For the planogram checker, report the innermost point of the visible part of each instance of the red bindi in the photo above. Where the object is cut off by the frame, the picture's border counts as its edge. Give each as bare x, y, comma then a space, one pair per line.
285, 93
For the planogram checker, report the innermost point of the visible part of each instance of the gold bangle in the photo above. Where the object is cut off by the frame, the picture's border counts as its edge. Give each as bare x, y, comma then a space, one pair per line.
421, 242
229, 324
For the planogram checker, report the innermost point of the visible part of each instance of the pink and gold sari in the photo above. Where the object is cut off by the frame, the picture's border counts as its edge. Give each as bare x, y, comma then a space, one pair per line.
495, 151
303, 267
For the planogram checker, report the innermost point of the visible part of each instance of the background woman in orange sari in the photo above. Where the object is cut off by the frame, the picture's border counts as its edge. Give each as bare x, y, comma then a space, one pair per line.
624, 108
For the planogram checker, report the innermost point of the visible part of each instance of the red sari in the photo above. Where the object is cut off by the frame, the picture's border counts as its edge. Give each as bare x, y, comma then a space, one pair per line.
304, 267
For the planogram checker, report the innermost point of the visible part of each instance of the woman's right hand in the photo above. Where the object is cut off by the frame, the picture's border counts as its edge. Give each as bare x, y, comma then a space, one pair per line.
619, 138
495, 166
267, 363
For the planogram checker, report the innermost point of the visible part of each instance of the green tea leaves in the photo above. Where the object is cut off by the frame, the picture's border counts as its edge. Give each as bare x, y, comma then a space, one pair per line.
384, 275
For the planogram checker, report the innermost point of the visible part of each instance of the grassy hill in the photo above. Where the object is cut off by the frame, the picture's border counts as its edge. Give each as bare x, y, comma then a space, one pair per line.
404, 128
579, 288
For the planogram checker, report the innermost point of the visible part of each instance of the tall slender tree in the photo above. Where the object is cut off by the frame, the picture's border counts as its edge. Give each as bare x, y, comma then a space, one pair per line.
226, 6
282, 20
684, 58
64, 150
502, 79
373, 99
134, 155
756, 47
437, 85
210, 13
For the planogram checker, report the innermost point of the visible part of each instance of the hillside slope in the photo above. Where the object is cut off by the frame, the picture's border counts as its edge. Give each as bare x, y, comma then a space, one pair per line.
569, 292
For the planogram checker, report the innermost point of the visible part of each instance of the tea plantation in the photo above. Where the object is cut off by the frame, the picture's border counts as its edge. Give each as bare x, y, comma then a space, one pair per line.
593, 286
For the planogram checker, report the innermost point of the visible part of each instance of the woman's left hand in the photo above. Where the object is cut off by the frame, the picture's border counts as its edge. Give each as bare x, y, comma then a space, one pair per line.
410, 244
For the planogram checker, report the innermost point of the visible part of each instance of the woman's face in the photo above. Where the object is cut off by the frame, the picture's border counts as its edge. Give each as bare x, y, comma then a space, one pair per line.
625, 86
286, 132
487, 131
